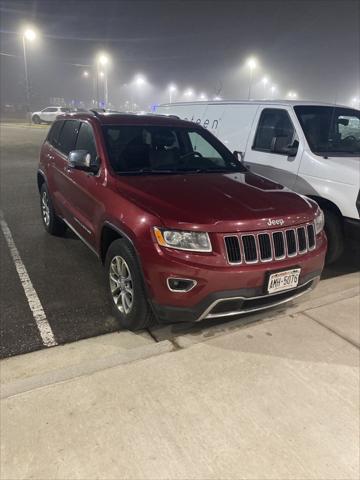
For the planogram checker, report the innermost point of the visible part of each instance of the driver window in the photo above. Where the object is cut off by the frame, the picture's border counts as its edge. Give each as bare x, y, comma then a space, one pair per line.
86, 141
274, 123
349, 127
200, 145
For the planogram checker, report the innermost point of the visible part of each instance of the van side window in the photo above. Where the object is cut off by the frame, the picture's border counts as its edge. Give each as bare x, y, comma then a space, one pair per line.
53, 135
68, 136
274, 126
86, 140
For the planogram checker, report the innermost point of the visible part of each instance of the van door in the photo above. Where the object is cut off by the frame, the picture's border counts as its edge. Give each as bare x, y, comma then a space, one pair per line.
274, 150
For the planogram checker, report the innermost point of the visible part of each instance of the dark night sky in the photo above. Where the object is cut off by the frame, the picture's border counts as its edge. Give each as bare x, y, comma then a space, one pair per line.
312, 47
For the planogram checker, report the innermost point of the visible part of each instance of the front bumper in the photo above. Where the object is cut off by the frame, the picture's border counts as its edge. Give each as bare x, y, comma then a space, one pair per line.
222, 289
352, 228
230, 303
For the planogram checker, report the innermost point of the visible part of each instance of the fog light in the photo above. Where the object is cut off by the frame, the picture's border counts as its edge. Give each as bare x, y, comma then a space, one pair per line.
180, 284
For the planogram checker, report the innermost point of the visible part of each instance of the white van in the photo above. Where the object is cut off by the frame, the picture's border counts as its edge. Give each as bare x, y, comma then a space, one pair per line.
312, 148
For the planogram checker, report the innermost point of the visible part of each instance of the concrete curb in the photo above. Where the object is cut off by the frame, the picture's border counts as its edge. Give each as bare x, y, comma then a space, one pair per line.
64, 374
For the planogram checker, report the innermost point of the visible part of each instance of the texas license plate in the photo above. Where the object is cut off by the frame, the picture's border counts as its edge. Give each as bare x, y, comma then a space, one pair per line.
283, 280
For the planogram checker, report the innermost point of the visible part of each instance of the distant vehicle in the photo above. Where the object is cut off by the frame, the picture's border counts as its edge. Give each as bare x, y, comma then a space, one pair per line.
48, 114
312, 148
185, 231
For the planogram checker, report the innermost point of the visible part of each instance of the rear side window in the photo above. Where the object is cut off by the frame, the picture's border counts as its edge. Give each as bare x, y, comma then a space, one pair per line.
68, 136
64, 109
53, 136
273, 123
86, 140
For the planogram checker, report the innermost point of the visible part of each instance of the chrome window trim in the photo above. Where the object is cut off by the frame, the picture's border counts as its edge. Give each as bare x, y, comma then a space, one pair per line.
206, 314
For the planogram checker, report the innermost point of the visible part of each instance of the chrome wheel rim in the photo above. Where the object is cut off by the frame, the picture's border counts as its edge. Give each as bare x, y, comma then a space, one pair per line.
45, 208
121, 285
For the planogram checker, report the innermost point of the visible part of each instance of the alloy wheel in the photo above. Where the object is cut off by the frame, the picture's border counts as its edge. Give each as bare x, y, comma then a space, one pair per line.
45, 208
121, 284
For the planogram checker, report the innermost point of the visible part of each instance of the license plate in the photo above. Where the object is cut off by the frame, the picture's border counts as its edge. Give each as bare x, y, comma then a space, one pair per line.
283, 280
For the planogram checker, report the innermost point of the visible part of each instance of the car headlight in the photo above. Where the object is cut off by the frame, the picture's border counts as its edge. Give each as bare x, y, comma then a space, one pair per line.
183, 240
319, 221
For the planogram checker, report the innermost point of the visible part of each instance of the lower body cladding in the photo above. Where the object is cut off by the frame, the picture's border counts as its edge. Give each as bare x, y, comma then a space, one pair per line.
219, 291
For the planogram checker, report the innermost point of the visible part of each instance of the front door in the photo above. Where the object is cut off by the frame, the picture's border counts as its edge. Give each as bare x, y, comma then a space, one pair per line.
273, 129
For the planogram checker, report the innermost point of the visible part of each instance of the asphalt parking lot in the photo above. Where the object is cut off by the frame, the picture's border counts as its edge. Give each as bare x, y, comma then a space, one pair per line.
64, 273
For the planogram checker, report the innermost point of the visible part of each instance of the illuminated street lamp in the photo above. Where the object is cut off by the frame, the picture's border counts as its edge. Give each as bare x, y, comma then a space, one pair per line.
355, 101
172, 89
28, 35
102, 61
85, 73
140, 80
292, 95
203, 96
273, 89
217, 98
251, 63
265, 81
189, 93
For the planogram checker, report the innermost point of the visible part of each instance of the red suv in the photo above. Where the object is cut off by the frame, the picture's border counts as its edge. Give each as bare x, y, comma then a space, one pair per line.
185, 231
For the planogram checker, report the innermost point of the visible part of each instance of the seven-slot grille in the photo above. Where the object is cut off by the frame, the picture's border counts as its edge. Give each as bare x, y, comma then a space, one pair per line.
267, 246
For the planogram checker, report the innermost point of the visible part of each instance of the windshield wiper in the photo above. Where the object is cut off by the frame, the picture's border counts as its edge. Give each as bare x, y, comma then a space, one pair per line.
146, 171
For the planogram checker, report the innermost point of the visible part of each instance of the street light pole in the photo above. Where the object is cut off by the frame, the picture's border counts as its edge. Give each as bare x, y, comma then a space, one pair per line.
252, 64
27, 88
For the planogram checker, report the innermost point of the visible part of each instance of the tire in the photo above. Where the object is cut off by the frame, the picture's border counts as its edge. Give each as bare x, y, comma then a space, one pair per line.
335, 235
52, 223
36, 119
132, 309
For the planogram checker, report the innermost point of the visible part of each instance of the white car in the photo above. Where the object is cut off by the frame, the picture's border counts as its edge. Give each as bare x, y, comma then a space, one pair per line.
312, 148
48, 114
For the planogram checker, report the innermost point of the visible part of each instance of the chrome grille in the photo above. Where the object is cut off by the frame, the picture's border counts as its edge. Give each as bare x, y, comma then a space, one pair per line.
270, 245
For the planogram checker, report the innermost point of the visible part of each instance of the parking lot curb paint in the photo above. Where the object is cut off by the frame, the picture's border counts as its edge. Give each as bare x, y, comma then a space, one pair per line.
86, 368
36, 308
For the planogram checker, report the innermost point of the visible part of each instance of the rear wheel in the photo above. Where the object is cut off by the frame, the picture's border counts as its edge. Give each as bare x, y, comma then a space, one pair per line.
126, 287
52, 223
36, 119
335, 235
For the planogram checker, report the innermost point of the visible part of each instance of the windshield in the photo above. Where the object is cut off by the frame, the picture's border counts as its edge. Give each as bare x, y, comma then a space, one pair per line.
160, 149
331, 131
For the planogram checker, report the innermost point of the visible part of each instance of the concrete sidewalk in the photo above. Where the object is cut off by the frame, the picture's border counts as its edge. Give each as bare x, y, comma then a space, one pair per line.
274, 400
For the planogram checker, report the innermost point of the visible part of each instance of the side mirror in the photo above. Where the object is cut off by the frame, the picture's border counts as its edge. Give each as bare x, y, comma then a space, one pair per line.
280, 146
81, 160
239, 155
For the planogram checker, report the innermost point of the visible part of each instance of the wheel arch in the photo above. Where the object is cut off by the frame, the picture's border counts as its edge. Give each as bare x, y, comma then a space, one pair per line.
109, 233
326, 204
40, 179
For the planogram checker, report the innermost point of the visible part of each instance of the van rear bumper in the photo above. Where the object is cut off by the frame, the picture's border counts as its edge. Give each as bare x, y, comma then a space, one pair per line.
352, 228
235, 302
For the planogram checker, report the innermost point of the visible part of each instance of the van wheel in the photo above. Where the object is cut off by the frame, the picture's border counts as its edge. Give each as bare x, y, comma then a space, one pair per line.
126, 287
335, 235
52, 223
36, 119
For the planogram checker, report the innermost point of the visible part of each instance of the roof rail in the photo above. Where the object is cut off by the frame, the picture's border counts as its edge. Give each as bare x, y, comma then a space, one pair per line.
97, 112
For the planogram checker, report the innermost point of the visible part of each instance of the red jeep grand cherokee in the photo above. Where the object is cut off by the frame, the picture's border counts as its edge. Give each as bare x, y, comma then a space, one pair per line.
184, 230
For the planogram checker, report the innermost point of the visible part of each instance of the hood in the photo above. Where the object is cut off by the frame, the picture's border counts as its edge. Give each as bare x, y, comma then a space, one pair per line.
217, 202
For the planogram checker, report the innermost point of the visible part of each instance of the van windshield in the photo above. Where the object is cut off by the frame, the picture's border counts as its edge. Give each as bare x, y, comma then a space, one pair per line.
138, 149
331, 131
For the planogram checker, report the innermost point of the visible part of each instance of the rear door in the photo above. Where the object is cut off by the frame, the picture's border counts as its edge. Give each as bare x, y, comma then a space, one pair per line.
48, 114
60, 167
274, 123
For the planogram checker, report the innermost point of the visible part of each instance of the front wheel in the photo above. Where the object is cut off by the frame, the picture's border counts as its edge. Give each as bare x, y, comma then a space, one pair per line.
126, 287
36, 119
335, 235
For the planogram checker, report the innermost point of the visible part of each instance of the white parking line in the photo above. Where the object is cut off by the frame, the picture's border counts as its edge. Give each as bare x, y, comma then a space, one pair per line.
36, 308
